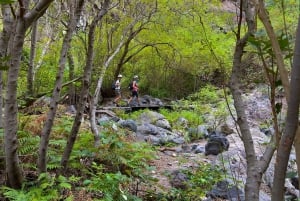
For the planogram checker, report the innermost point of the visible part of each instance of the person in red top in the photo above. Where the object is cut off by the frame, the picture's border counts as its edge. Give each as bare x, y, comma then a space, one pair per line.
134, 91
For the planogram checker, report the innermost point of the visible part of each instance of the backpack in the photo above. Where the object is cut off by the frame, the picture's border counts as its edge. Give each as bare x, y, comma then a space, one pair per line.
130, 86
113, 85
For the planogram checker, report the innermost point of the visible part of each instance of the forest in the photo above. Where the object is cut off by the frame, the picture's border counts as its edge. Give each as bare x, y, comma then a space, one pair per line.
204, 58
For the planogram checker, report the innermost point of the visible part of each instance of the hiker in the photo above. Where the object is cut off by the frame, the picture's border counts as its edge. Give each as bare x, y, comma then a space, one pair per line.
118, 90
134, 90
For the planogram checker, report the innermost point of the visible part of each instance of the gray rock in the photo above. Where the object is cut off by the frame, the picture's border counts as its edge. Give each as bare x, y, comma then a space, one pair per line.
102, 120
163, 123
217, 143
130, 124
179, 180
150, 117
226, 191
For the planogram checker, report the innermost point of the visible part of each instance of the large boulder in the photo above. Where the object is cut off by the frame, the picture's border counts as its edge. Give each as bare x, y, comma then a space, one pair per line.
154, 118
129, 123
217, 143
179, 180
146, 99
157, 135
225, 190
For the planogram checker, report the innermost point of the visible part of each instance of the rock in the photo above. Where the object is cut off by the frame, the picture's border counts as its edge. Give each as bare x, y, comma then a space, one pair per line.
163, 123
226, 129
197, 149
130, 124
227, 191
197, 133
182, 122
71, 109
179, 180
146, 99
267, 131
157, 136
147, 129
150, 117
216, 144
102, 120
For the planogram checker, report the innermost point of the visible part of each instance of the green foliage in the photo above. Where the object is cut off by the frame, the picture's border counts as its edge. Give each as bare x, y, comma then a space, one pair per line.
47, 188
202, 179
109, 185
123, 154
193, 118
7, 1
28, 143
199, 181
208, 94
28, 148
131, 115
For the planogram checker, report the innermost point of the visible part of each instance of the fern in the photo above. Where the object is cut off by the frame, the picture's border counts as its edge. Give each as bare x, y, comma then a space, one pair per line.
28, 143
47, 188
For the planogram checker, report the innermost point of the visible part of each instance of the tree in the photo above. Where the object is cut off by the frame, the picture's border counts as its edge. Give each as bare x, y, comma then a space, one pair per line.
25, 17
4, 44
255, 167
32, 57
86, 81
76, 8
291, 125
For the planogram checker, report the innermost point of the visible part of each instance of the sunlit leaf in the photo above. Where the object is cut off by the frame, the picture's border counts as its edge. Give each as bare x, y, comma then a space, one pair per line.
7, 1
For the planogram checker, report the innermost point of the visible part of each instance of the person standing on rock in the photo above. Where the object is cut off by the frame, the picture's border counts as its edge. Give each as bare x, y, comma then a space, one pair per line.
118, 90
134, 90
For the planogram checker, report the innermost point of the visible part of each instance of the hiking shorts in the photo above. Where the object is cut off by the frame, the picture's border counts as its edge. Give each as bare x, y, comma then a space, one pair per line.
134, 94
118, 92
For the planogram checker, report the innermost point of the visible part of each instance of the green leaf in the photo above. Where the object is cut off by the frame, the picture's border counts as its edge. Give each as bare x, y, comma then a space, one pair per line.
7, 1
87, 182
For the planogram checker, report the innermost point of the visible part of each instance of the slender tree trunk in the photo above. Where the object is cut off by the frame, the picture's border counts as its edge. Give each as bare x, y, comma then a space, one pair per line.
74, 18
72, 92
96, 96
255, 167
291, 125
31, 59
84, 88
262, 13
264, 18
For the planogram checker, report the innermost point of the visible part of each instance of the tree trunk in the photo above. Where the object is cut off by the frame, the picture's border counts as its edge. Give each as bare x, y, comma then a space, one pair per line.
291, 125
74, 18
23, 21
5, 39
84, 88
253, 179
72, 91
95, 99
264, 18
255, 167
283, 72
31, 59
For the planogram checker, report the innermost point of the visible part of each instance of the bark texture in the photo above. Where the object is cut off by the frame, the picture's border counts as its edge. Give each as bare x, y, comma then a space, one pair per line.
85, 86
73, 20
31, 59
4, 48
255, 167
264, 18
23, 21
291, 125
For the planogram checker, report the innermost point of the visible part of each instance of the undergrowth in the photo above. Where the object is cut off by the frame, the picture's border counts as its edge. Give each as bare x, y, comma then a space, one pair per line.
119, 166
